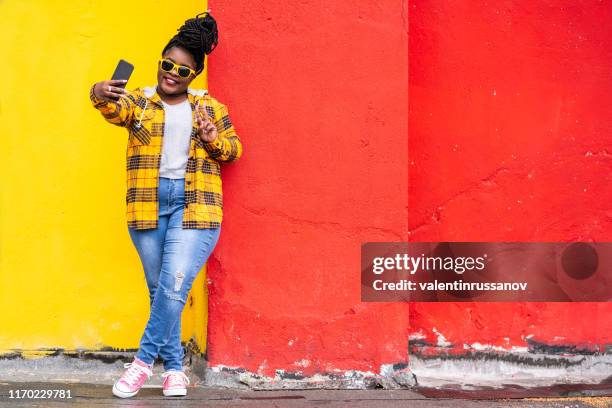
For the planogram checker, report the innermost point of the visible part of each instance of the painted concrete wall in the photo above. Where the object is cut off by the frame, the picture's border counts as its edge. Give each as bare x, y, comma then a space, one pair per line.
318, 93
510, 140
69, 275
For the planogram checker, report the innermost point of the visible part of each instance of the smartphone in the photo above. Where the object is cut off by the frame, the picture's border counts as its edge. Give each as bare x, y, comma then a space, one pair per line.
123, 71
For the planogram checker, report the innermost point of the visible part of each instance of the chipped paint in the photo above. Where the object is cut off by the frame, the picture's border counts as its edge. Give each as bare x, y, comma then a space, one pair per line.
391, 376
442, 342
302, 363
490, 347
524, 369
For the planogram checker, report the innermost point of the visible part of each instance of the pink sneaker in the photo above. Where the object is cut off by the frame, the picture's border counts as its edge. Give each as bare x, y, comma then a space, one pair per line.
175, 383
132, 379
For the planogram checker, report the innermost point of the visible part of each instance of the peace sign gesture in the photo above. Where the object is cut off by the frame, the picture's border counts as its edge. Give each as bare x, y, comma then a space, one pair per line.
206, 129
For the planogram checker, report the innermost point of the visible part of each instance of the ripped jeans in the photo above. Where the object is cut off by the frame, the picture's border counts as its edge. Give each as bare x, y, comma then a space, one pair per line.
171, 258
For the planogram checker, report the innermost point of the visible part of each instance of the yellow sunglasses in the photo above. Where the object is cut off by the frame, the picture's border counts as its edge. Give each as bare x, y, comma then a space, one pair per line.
167, 65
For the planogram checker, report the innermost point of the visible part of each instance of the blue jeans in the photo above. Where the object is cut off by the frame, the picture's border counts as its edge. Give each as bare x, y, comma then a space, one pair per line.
171, 258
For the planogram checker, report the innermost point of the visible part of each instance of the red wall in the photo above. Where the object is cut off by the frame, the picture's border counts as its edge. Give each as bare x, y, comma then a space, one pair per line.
318, 94
510, 140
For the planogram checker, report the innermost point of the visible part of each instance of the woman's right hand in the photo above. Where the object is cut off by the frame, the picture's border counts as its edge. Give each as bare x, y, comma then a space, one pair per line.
110, 90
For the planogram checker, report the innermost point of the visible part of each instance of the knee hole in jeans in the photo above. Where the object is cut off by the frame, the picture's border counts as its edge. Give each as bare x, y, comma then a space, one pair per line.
175, 296
178, 280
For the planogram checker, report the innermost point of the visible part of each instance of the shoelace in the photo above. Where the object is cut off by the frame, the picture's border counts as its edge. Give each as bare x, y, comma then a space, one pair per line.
176, 378
134, 372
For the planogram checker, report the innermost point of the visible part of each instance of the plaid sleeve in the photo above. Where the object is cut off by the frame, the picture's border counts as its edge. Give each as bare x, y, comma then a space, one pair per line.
116, 112
227, 147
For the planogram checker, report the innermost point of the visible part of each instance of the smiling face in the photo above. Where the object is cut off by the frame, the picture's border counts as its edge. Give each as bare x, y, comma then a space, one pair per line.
170, 82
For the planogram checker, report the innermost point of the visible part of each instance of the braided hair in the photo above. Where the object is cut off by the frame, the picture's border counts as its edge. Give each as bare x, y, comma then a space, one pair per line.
198, 36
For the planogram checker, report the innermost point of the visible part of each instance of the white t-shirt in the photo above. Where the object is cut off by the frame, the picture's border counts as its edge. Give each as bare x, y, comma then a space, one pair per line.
176, 141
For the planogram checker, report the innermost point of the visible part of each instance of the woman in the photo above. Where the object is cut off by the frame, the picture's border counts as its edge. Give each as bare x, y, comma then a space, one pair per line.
177, 139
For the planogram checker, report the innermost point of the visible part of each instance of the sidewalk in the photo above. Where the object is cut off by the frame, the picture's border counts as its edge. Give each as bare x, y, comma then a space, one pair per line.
89, 383
100, 395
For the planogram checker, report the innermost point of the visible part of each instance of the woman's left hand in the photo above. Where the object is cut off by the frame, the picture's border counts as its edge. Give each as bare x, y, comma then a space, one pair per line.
206, 129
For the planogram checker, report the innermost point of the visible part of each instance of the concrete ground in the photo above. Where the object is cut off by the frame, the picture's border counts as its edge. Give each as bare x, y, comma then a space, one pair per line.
100, 395
88, 381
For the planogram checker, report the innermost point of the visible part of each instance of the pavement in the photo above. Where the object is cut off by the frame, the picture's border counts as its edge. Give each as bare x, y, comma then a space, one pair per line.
62, 380
100, 395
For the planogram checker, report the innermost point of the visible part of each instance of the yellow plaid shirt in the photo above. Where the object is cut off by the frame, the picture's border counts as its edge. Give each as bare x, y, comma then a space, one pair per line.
142, 114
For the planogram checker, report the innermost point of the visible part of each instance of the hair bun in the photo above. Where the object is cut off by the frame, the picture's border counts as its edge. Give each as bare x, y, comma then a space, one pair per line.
202, 28
199, 36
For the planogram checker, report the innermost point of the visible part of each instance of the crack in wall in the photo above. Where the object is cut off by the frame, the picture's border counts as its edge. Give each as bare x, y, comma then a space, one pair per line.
325, 224
485, 182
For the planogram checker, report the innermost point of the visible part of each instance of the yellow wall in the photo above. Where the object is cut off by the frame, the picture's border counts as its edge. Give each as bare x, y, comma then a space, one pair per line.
69, 274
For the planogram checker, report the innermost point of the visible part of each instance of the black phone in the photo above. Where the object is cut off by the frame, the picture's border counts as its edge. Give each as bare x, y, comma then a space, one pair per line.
123, 71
